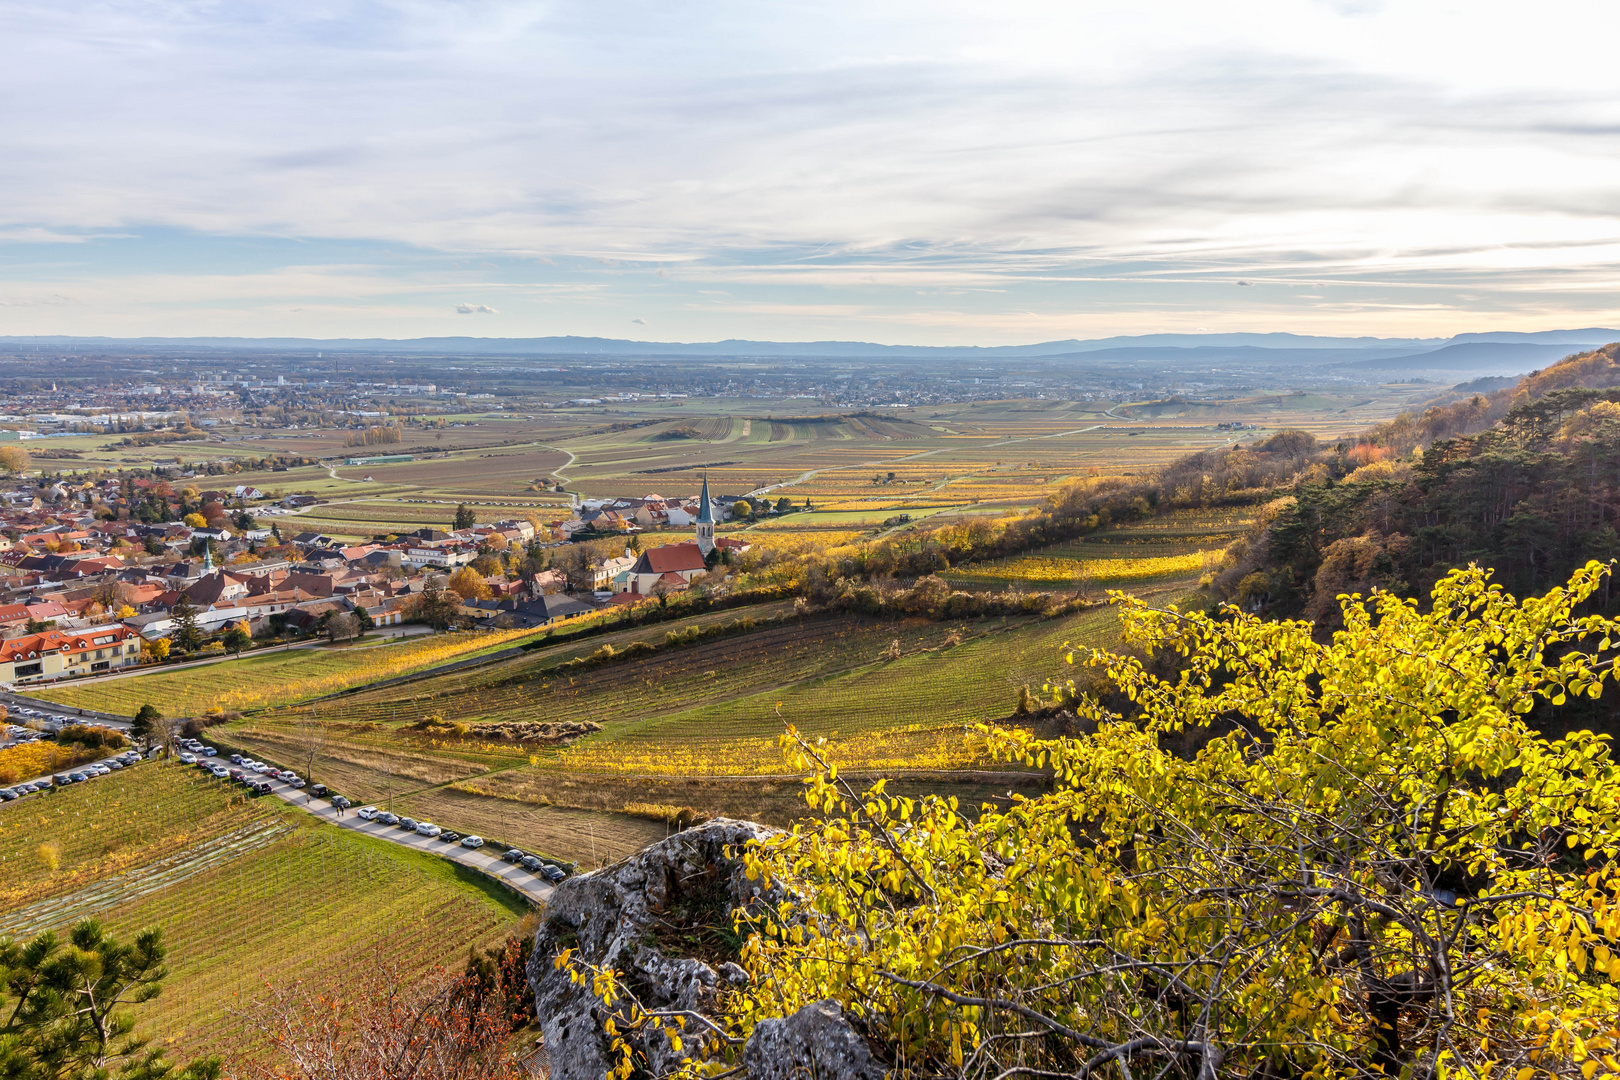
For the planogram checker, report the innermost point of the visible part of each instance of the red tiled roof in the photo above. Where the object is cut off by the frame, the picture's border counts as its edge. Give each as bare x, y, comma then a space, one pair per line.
671, 558
32, 645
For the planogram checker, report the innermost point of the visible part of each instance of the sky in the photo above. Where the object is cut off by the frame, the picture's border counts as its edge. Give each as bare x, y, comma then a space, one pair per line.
941, 172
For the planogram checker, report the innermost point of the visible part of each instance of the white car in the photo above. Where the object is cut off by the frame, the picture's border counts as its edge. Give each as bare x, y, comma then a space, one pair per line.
260, 767
187, 759
427, 829
472, 841
367, 812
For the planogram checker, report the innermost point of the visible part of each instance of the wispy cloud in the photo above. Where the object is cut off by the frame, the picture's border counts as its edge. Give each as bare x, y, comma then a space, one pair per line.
1090, 162
475, 309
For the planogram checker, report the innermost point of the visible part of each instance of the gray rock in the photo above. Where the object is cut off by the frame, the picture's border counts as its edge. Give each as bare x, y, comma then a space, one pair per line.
815, 1043
618, 917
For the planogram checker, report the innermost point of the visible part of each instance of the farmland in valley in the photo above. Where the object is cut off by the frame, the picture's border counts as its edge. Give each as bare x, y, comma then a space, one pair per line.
249, 893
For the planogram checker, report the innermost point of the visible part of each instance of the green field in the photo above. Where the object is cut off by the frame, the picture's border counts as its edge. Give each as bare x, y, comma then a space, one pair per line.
249, 893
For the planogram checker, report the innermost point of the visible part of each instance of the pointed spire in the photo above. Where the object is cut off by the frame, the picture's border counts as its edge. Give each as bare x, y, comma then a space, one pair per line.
705, 507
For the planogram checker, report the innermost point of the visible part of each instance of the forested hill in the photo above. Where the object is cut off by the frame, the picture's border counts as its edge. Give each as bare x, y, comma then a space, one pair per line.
1526, 481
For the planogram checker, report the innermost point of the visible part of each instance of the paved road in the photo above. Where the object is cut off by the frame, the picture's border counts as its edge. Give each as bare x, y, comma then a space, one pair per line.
484, 860
15, 701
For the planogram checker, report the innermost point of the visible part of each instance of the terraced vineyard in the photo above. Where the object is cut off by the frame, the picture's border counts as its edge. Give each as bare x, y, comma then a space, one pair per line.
248, 893
1175, 547
276, 677
905, 713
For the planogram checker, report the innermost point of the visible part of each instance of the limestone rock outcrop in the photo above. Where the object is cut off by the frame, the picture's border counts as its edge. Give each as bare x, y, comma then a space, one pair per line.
653, 918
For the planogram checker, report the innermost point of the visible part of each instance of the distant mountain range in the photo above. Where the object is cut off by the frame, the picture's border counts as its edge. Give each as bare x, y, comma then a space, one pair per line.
1493, 353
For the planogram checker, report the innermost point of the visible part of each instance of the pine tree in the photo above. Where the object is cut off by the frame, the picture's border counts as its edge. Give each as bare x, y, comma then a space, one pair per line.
186, 634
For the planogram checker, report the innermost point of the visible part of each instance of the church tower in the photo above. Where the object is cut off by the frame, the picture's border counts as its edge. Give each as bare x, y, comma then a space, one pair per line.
705, 520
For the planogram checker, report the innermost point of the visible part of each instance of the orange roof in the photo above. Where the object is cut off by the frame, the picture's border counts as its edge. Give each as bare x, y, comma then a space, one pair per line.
33, 645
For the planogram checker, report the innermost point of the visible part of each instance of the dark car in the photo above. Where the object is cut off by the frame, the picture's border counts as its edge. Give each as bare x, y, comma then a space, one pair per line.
449, 837
387, 818
551, 873
514, 855
236, 759
7, 794
317, 790
531, 863
407, 823
340, 802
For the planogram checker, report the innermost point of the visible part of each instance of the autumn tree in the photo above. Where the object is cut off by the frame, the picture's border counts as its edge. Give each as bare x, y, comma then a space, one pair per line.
341, 626
469, 584
466, 517
434, 605
1272, 857
237, 638
390, 1025
13, 459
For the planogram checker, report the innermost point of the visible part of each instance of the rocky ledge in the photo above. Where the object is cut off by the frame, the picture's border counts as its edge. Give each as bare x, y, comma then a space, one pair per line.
661, 918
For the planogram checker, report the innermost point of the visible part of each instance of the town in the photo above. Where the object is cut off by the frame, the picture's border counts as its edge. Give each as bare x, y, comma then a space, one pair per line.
89, 587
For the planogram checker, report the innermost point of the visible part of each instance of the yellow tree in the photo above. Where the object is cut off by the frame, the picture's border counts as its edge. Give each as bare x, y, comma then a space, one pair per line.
13, 459
469, 584
1371, 864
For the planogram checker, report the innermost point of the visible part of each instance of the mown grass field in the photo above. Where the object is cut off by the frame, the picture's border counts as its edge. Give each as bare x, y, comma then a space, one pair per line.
249, 893
290, 675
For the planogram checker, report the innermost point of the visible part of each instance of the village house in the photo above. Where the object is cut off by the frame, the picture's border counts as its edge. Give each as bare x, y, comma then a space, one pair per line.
57, 654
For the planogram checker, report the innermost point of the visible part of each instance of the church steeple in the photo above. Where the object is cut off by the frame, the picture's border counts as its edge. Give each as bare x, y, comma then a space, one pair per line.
705, 520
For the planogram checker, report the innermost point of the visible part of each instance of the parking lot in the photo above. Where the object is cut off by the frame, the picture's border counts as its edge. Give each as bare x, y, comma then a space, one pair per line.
486, 859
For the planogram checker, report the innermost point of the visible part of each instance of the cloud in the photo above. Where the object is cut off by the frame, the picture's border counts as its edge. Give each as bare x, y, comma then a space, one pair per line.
838, 150
1246, 283
638, 322
475, 309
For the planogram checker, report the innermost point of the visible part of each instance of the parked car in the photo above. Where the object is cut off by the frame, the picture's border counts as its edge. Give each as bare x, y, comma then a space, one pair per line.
513, 855
318, 790
340, 802
62, 778
259, 787
551, 873
7, 794
449, 836
236, 774
220, 771
427, 829
297, 783
408, 823
188, 759
387, 817
78, 777
472, 841
531, 863
367, 813
236, 759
